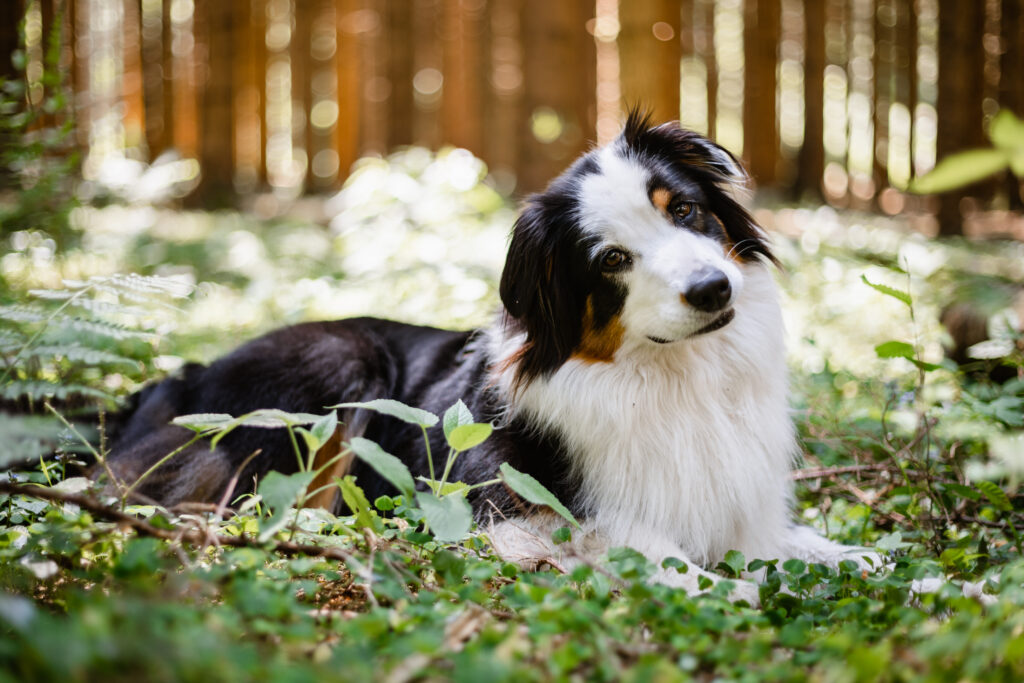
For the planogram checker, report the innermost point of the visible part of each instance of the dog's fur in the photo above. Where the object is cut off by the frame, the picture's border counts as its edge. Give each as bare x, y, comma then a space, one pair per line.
637, 371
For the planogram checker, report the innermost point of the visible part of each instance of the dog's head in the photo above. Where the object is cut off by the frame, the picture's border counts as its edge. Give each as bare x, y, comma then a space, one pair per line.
638, 242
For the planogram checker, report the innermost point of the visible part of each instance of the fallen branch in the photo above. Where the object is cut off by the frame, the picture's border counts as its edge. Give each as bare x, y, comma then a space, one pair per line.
175, 534
821, 472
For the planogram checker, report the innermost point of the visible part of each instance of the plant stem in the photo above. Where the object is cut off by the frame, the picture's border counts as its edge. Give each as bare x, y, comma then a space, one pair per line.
158, 463
430, 458
295, 447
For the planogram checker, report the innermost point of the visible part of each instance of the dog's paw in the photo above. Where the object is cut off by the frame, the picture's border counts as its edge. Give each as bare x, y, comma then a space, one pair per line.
745, 591
969, 589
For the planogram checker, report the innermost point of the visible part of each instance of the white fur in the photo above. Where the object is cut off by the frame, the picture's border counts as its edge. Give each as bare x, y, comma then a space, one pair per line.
683, 449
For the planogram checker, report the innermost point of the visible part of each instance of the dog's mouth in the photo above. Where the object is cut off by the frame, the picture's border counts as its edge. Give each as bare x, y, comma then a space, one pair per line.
716, 324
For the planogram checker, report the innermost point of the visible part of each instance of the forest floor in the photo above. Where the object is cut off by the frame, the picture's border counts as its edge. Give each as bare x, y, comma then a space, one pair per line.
901, 451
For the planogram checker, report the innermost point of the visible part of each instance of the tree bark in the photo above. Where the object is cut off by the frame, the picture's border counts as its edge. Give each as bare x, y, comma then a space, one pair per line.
761, 27
961, 83
1011, 90
559, 75
216, 141
461, 106
811, 163
399, 55
650, 53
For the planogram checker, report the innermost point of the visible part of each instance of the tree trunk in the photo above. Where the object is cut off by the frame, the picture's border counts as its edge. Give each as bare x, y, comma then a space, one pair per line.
152, 39
503, 107
761, 27
133, 120
1011, 90
461, 109
961, 84
11, 12
216, 142
559, 75
811, 164
398, 46
650, 53
884, 29
349, 88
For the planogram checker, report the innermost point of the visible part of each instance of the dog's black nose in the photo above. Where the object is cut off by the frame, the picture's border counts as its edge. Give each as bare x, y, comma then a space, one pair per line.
709, 291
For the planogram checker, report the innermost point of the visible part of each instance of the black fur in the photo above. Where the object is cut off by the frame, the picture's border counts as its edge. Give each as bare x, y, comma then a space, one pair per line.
305, 368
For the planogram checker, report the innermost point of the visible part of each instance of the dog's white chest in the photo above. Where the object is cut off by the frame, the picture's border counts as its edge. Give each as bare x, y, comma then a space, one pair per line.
694, 449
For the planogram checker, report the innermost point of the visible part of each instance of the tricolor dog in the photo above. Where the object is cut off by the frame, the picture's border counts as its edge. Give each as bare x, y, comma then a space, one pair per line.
636, 369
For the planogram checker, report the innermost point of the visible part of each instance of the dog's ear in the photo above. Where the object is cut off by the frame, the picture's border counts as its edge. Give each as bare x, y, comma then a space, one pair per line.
540, 288
717, 171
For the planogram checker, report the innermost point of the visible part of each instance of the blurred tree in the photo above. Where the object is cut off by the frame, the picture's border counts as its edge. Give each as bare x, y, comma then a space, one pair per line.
761, 27
399, 55
1011, 89
811, 163
961, 89
215, 24
650, 51
559, 75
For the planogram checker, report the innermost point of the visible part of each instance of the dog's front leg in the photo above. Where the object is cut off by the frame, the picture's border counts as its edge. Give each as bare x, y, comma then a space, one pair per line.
803, 543
527, 541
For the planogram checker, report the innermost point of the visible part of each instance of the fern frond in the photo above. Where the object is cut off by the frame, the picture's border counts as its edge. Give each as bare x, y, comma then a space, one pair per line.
99, 327
37, 390
77, 353
114, 308
132, 283
22, 313
26, 437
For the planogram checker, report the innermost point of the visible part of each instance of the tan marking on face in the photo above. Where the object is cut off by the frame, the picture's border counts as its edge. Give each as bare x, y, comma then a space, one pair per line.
330, 451
661, 198
728, 246
598, 346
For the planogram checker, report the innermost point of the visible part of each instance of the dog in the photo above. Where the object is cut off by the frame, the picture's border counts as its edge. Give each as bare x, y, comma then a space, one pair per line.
637, 370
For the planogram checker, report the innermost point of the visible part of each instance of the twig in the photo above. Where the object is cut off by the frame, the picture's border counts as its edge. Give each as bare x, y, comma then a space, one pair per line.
223, 502
824, 472
175, 534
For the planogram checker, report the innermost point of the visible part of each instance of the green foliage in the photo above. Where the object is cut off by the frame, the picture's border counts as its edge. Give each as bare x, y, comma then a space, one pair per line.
37, 152
964, 168
67, 346
900, 452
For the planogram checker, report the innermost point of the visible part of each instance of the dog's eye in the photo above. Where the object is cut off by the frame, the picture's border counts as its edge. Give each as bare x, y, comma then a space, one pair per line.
614, 259
682, 210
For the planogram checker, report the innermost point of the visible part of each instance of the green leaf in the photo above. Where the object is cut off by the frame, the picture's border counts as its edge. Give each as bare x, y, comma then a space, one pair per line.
961, 491
203, 422
675, 563
995, 495
387, 406
891, 542
1006, 131
464, 437
384, 464
562, 534
895, 349
456, 416
888, 291
795, 566
356, 501
264, 418
961, 169
450, 518
323, 429
449, 566
280, 491
533, 491
449, 488
735, 560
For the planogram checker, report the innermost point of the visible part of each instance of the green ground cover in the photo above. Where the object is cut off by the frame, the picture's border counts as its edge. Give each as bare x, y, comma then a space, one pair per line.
901, 451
